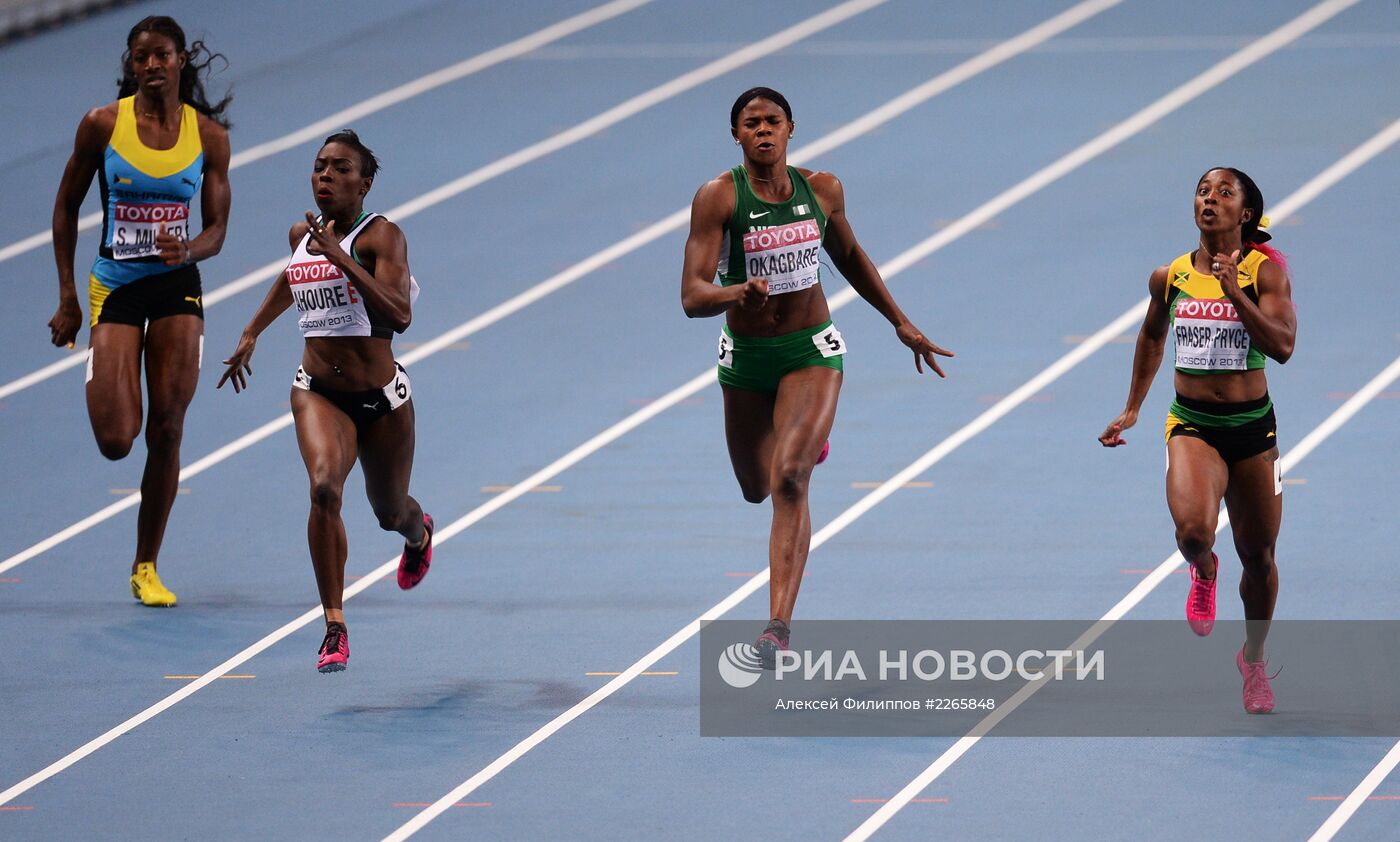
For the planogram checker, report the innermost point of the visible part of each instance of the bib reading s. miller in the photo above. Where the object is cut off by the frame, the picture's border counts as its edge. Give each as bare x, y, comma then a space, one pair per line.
328, 302
778, 241
1209, 334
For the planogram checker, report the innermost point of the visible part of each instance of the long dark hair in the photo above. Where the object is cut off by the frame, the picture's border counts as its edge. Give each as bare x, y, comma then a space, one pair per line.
198, 58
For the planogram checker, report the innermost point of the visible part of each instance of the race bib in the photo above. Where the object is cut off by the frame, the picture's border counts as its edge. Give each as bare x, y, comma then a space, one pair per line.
787, 255
829, 342
135, 226
399, 389
726, 350
328, 302
1209, 335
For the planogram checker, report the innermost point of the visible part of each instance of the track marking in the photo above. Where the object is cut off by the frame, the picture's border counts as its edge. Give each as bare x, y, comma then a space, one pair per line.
884, 800
379, 102
1300, 197
1114, 136
917, 484
461, 804
1172, 564
1358, 796
1066, 164
1343, 798
870, 121
192, 677
880, 116
138, 491
497, 489
1136, 44
580, 131
652, 672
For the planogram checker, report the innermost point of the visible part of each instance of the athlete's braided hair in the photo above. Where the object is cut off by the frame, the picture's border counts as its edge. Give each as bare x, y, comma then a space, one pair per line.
1250, 232
191, 85
369, 164
758, 93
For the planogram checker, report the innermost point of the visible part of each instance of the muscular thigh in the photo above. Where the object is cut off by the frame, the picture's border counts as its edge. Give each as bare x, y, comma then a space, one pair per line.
386, 454
325, 436
174, 345
748, 429
1196, 481
1255, 500
805, 410
114, 374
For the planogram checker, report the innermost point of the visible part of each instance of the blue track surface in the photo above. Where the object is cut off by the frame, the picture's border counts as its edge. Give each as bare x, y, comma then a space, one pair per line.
1029, 519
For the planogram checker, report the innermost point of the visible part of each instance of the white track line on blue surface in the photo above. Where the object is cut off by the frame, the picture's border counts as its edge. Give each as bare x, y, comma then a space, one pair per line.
1358, 796
578, 132
1113, 137
378, 102
1138, 593
878, 117
1026, 40
1310, 190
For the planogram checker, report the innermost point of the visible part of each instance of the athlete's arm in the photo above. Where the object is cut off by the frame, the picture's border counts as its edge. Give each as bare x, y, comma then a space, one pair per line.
1147, 358
383, 245
1272, 323
700, 295
93, 132
278, 299
214, 200
857, 268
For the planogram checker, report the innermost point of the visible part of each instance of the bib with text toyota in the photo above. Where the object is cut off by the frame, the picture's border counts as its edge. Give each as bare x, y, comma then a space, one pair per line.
787, 255
1209, 335
328, 302
135, 226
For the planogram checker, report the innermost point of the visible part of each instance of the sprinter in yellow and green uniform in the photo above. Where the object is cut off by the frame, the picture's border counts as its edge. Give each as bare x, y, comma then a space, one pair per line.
1229, 306
780, 363
154, 150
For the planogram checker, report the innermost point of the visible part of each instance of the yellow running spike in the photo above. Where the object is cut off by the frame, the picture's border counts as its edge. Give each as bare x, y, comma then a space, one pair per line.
147, 587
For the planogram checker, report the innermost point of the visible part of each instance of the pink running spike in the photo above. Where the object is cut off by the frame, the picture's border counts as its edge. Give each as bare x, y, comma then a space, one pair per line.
826, 450
413, 564
1258, 695
335, 649
1200, 602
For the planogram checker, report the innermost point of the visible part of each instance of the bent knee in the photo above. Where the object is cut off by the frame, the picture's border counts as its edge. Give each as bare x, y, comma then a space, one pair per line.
390, 520
115, 447
754, 491
1195, 539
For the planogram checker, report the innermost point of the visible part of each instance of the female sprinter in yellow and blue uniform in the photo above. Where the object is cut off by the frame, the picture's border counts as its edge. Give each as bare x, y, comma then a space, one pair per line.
764, 223
1229, 306
155, 149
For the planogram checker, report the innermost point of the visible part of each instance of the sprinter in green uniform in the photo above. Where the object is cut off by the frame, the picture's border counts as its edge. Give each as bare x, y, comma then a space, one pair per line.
1228, 305
764, 224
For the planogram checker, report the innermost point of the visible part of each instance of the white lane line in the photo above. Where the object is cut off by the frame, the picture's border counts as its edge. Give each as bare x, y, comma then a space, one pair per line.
878, 117
1160, 574
533, 152
1289, 205
379, 102
540, 477
1039, 180
1358, 796
1135, 44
